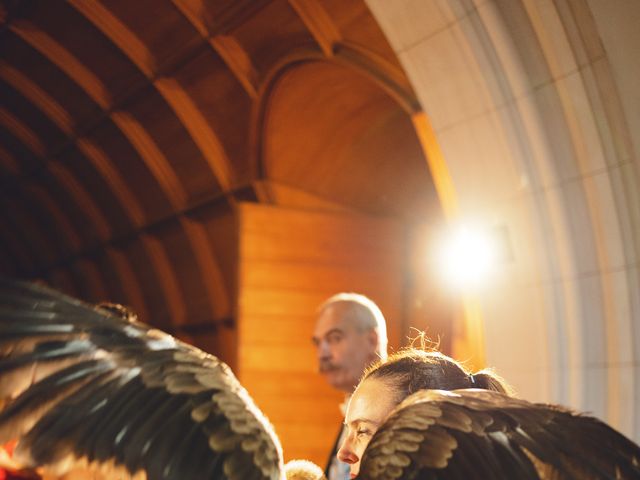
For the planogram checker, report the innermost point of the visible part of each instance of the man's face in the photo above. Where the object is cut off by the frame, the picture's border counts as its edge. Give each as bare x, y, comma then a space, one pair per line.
343, 351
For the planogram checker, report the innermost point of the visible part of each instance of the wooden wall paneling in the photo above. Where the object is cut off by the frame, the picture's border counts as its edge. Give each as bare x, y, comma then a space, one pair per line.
319, 23
272, 192
290, 261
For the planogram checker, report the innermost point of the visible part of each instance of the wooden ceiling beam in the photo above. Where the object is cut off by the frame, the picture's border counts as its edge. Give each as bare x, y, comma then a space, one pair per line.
166, 278
93, 86
64, 60
23, 133
210, 269
231, 52
152, 157
64, 121
130, 286
127, 41
82, 198
114, 180
17, 248
319, 24
49, 204
199, 129
173, 93
9, 162
37, 96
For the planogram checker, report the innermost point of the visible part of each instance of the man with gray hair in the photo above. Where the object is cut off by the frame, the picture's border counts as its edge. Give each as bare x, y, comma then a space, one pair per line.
350, 334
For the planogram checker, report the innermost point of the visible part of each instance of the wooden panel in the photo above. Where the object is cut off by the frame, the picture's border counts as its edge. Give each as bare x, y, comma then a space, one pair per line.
290, 262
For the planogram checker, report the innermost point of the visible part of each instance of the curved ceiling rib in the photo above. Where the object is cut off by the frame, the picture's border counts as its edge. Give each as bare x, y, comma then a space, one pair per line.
22, 133
93, 86
365, 62
33, 143
173, 93
65, 225
319, 23
166, 277
64, 121
8, 161
64, 60
152, 156
32, 92
116, 183
82, 198
149, 152
128, 278
213, 280
231, 52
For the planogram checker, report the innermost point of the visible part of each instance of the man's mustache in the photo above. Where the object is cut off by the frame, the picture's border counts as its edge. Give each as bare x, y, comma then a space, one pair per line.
327, 366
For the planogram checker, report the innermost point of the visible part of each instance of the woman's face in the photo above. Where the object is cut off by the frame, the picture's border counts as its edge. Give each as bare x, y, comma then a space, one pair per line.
368, 408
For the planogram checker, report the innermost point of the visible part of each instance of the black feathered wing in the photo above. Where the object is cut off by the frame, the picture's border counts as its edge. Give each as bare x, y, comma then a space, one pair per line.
78, 383
477, 434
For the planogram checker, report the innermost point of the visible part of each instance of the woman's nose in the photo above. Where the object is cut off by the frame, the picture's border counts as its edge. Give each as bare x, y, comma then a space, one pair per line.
346, 453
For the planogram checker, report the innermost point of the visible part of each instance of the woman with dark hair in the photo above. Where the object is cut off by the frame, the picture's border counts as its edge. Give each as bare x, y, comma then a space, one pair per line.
385, 384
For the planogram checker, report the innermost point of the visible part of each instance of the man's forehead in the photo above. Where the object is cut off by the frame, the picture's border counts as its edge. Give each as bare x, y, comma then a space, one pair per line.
332, 319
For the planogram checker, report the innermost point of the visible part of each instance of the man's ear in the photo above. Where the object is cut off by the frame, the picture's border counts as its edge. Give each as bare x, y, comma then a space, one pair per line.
372, 337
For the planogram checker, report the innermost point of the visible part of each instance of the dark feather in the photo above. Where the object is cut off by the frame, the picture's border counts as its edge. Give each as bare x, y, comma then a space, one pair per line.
82, 383
477, 434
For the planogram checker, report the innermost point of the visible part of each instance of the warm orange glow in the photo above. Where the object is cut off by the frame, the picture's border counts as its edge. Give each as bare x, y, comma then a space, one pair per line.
468, 345
437, 165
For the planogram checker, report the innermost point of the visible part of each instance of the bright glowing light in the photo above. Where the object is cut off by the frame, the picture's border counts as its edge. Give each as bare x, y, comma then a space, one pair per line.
466, 257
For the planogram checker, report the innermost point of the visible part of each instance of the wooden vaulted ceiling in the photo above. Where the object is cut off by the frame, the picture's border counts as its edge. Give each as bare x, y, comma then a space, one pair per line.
130, 130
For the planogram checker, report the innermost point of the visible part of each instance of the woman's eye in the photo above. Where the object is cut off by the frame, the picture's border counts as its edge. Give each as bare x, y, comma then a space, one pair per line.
363, 431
